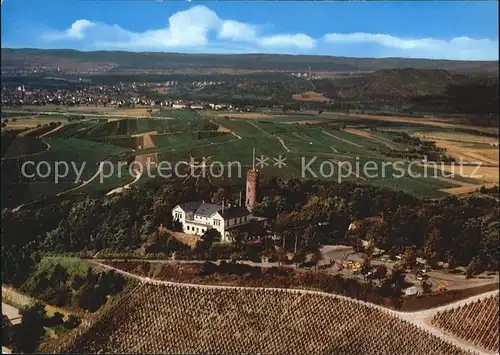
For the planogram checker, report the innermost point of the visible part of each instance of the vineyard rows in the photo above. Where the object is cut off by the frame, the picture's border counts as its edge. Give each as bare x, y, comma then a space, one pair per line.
160, 318
475, 322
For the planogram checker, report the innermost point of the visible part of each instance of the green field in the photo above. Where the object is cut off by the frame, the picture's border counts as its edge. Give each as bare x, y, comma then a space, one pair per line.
329, 148
83, 154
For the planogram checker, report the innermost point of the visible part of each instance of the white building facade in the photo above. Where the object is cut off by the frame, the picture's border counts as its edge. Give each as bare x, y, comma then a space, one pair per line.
197, 217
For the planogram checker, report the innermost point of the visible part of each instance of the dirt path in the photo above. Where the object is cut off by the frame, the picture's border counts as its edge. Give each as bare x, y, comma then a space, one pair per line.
365, 134
466, 189
416, 318
126, 186
234, 134
22, 300
93, 177
343, 140
283, 144
250, 116
400, 119
52, 131
270, 135
11, 312
30, 155
423, 320
150, 133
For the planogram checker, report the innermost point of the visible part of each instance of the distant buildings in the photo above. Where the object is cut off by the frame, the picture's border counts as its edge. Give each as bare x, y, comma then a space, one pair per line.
180, 105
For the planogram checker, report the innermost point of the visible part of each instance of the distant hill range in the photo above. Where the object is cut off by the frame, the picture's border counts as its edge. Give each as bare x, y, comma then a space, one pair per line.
404, 83
429, 90
132, 62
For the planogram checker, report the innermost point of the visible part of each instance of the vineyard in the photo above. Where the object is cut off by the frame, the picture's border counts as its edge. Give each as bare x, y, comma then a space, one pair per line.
476, 322
160, 318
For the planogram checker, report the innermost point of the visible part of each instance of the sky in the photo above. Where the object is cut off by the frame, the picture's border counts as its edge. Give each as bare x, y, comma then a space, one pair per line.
440, 30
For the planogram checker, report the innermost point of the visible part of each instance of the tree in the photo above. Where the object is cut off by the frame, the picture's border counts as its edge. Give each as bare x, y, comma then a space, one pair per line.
72, 322
409, 257
380, 272
426, 287
366, 267
220, 195
298, 258
316, 257
452, 264
236, 239
30, 331
177, 226
55, 320
210, 236
369, 250
432, 249
474, 268
6, 330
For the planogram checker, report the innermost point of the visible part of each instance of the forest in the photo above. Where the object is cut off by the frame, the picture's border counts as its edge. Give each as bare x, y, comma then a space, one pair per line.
310, 213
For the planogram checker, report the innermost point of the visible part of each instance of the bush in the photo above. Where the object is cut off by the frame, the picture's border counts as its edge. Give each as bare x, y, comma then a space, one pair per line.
173, 245
208, 268
72, 322
55, 320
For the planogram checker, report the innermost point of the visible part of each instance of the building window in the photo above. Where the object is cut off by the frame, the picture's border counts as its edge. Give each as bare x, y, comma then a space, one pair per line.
197, 230
217, 222
178, 216
187, 227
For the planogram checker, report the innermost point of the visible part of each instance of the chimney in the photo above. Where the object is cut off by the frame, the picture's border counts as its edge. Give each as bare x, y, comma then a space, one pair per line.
222, 206
240, 199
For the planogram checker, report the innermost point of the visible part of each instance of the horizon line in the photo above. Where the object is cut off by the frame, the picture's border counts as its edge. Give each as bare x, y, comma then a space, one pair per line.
244, 54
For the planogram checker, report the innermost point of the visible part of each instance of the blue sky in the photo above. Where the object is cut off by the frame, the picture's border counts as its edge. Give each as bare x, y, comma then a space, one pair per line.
448, 30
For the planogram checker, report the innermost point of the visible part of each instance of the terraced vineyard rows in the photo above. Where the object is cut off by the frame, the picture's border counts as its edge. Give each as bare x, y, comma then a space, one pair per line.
160, 318
476, 322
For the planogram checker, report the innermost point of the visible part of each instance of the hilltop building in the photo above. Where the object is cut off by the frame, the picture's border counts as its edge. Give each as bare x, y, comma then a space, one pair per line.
197, 217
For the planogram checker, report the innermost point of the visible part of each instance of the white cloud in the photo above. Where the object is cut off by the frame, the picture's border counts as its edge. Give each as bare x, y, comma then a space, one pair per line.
300, 41
199, 29
455, 48
188, 29
76, 31
237, 31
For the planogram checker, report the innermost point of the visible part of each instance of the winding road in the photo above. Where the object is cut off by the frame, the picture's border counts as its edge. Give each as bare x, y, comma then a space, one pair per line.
126, 186
417, 318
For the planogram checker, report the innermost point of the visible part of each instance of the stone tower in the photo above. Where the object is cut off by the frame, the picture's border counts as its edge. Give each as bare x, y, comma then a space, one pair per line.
251, 188
251, 192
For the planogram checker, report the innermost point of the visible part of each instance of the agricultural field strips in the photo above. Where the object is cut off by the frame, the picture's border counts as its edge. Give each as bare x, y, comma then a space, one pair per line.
177, 113
251, 321
73, 130
420, 187
185, 140
124, 127
475, 322
326, 144
23, 146
9, 114
76, 151
99, 187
